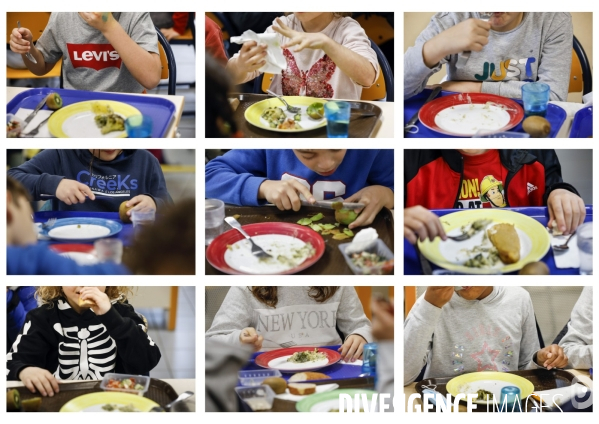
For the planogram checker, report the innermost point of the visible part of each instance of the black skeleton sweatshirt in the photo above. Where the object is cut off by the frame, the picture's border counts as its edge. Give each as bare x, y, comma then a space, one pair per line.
83, 346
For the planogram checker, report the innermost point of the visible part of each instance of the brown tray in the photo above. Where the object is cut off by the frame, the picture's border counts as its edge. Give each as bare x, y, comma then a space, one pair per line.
159, 391
358, 128
541, 379
332, 261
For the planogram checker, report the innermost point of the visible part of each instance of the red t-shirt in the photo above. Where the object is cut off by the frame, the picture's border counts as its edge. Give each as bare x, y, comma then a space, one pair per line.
214, 42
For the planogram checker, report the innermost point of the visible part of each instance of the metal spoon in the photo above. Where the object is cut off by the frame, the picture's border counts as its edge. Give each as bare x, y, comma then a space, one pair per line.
565, 245
291, 109
180, 398
27, 55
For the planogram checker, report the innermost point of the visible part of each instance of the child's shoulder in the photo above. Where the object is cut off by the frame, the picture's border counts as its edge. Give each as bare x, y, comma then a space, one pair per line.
515, 295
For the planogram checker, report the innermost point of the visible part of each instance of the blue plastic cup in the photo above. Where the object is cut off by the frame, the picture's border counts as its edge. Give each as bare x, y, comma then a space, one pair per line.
535, 96
139, 126
369, 359
511, 396
337, 115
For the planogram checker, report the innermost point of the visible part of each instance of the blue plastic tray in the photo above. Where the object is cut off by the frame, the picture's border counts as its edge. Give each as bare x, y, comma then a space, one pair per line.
161, 111
582, 125
555, 115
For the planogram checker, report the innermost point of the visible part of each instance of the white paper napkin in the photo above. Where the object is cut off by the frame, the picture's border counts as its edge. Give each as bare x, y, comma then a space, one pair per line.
275, 61
39, 117
567, 258
358, 362
296, 398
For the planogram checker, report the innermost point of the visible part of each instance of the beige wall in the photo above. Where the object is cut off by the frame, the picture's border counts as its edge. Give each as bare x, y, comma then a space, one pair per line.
415, 22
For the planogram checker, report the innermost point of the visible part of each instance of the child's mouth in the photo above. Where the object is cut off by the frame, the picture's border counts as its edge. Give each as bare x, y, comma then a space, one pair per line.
326, 174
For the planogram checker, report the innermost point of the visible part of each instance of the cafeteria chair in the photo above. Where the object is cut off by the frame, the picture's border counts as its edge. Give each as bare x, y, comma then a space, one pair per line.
189, 36
561, 334
167, 60
581, 78
383, 88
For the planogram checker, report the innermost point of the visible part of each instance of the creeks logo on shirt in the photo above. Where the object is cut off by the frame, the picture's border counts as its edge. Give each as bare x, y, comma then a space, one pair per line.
509, 69
94, 56
108, 185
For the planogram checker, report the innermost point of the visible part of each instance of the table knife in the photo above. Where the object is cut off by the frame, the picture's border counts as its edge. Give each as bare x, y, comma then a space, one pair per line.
35, 111
329, 205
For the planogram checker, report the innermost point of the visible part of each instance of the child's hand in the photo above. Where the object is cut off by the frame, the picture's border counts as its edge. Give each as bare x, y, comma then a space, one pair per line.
469, 35
374, 198
39, 379
284, 194
169, 33
566, 209
383, 327
72, 192
98, 297
250, 336
251, 56
419, 222
352, 348
98, 20
20, 40
142, 203
438, 296
303, 40
552, 356
462, 86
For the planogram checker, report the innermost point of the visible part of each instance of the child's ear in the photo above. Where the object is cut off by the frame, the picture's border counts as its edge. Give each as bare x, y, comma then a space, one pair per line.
8, 211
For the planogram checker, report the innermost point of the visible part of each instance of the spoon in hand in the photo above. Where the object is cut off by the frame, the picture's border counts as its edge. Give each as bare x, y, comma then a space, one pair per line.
565, 245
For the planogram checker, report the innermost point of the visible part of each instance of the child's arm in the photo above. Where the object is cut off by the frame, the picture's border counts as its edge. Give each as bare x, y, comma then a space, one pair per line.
351, 319
234, 315
157, 196
143, 65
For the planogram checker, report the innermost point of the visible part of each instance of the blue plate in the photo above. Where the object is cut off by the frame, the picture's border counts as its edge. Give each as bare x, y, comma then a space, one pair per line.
582, 125
82, 229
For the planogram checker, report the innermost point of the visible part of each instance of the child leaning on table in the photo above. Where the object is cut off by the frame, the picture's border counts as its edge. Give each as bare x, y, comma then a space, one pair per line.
484, 328
24, 256
100, 51
328, 55
267, 316
68, 339
95, 180
479, 178
506, 52
285, 177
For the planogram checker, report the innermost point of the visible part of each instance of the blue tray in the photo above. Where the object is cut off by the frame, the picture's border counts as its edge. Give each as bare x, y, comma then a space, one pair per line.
161, 111
582, 125
555, 115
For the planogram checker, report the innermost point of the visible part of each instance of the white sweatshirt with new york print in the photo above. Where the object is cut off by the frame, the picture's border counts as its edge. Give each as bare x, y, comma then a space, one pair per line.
297, 317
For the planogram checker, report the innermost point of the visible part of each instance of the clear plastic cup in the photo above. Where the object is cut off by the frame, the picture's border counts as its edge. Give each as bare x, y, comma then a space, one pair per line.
139, 126
337, 114
215, 216
535, 96
109, 250
142, 217
584, 241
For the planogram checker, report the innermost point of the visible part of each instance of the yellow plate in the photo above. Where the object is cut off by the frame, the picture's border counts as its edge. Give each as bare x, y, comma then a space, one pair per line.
77, 120
534, 241
253, 113
93, 402
490, 381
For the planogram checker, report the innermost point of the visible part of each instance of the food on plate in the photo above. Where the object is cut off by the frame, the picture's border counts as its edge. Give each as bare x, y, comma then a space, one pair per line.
13, 400
276, 118
505, 239
302, 389
289, 124
124, 384
484, 395
307, 356
536, 126
535, 268
13, 128
315, 110
86, 303
307, 376
297, 117
474, 227
365, 260
106, 119
31, 405
112, 407
54, 101
123, 209
298, 255
483, 261
277, 384
345, 216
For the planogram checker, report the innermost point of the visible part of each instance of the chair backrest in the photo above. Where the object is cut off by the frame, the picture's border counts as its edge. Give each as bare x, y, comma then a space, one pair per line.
167, 60
34, 21
575, 75
377, 28
587, 75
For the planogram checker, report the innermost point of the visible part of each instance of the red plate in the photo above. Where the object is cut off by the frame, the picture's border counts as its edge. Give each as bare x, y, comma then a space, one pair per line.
215, 254
64, 248
429, 111
264, 359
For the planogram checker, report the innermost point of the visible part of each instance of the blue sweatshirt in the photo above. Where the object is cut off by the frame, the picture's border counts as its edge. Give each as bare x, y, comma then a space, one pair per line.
236, 176
132, 173
37, 259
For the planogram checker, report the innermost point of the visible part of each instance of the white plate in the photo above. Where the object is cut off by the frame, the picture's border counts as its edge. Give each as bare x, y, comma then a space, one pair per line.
240, 258
79, 232
467, 119
281, 364
82, 124
493, 386
81, 258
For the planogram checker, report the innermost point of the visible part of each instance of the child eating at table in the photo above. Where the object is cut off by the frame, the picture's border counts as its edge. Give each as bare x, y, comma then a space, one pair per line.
96, 180
328, 55
100, 51
285, 177
475, 328
24, 256
479, 178
578, 341
80, 333
505, 52
267, 316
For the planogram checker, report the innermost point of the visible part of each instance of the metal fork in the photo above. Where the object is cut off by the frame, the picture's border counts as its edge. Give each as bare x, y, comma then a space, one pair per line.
256, 250
284, 344
36, 130
49, 223
27, 55
292, 109
467, 234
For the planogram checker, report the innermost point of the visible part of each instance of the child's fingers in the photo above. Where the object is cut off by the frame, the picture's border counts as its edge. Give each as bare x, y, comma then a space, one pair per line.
352, 350
344, 348
359, 351
30, 386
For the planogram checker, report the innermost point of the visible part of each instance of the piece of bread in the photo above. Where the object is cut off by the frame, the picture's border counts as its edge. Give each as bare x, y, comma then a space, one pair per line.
86, 303
277, 384
301, 389
505, 239
307, 376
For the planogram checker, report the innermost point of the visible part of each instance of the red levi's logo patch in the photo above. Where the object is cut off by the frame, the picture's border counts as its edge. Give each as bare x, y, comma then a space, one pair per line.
94, 56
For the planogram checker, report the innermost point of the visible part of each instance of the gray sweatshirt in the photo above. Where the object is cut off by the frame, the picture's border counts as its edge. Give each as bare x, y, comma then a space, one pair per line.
578, 341
89, 62
540, 48
297, 317
497, 333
